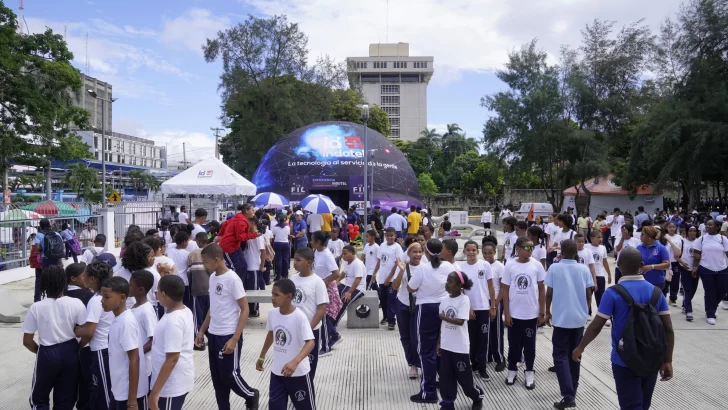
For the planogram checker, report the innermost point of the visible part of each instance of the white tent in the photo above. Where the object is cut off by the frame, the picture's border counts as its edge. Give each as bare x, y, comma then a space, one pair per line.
209, 177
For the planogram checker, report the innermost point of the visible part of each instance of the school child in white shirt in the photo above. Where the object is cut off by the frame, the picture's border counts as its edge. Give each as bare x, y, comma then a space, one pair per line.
455, 310
77, 289
449, 250
290, 333
481, 311
389, 252
509, 237
173, 366
496, 329
335, 245
406, 307
626, 240
255, 259
311, 297
180, 256
524, 307
353, 288
688, 276
601, 265
56, 364
369, 256
535, 233
674, 247
224, 325
324, 265
139, 285
95, 333
585, 257
429, 285
129, 381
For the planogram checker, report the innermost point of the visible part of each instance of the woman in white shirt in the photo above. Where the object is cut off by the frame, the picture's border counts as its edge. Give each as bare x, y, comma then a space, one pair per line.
674, 249
688, 277
625, 241
709, 261
495, 335
429, 286
406, 307
282, 247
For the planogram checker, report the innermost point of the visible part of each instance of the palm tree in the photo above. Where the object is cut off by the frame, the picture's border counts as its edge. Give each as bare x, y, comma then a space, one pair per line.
452, 129
82, 179
458, 144
431, 135
142, 180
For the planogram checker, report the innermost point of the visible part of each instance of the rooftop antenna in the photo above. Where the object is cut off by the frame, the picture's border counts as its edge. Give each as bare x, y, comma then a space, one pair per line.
87, 64
387, 33
21, 7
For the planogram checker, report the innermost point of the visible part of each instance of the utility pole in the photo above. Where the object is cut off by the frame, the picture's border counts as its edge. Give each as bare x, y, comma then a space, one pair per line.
217, 141
184, 156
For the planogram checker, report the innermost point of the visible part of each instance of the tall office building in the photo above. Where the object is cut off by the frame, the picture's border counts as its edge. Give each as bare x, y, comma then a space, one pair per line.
397, 82
92, 105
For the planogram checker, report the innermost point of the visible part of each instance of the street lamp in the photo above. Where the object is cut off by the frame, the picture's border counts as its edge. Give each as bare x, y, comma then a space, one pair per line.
93, 94
365, 117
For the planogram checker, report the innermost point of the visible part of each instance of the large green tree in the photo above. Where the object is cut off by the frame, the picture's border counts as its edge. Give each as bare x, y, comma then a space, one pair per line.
347, 107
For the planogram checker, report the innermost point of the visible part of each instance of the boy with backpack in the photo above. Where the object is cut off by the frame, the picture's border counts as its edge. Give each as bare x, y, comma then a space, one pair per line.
50, 244
642, 334
96, 253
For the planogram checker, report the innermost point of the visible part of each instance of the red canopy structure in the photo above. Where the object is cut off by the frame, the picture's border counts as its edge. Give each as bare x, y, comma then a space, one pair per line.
606, 195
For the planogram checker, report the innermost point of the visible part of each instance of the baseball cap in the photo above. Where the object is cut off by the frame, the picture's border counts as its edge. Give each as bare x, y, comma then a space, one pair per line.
107, 258
299, 213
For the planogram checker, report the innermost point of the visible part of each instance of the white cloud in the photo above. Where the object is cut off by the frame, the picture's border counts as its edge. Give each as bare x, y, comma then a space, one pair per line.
198, 145
462, 35
191, 29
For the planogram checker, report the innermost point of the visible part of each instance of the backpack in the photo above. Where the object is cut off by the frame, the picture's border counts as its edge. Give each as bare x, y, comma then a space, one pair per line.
270, 254
53, 247
643, 346
74, 243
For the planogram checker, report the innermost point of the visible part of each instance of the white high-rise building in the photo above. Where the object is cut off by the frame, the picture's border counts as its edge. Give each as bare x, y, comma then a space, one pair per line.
397, 82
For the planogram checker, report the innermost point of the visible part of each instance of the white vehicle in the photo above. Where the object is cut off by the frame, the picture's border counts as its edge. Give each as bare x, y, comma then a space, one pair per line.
531, 211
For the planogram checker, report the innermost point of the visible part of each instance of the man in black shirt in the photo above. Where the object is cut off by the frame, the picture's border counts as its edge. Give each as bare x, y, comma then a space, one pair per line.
376, 223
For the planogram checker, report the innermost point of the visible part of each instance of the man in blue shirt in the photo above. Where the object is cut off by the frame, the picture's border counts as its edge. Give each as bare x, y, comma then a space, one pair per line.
45, 229
569, 287
633, 391
641, 217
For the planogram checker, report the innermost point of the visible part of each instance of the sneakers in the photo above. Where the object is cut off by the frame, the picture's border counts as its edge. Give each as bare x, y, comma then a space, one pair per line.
608, 323
337, 342
552, 369
725, 305
530, 380
683, 310
417, 398
383, 322
324, 354
484, 375
391, 326
689, 316
682, 291
563, 404
711, 321
254, 314
500, 367
478, 405
512, 376
674, 303
413, 372
252, 403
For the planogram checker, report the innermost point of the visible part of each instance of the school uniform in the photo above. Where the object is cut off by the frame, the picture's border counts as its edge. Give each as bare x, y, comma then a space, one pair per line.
633, 391
406, 318
599, 254
654, 254
479, 296
455, 353
689, 283
713, 270
56, 362
323, 264
125, 336
180, 258
146, 317
353, 270
674, 283
371, 252
282, 248
430, 284
497, 330
310, 293
290, 333
161, 259
586, 257
569, 281
84, 354
174, 334
552, 231
628, 243
509, 241
100, 389
254, 277
225, 291
523, 305
388, 255
199, 288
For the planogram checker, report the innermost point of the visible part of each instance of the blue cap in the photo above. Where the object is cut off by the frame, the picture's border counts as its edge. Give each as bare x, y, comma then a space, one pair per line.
107, 258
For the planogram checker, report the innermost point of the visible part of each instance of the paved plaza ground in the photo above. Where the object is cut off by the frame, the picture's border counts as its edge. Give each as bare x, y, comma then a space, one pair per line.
368, 370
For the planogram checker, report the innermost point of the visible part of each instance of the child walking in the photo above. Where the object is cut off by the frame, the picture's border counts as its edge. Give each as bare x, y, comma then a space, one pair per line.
56, 363
601, 265
139, 285
224, 325
388, 254
353, 288
496, 330
369, 256
454, 346
173, 366
524, 306
311, 297
406, 307
129, 381
199, 283
77, 289
290, 330
585, 257
324, 265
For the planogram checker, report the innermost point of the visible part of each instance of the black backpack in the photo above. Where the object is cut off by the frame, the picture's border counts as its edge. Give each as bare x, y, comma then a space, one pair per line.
53, 247
643, 346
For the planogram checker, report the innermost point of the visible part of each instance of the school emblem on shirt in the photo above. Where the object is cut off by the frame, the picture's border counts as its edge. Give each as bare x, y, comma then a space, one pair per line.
654, 252
300, 395
332, 250
461, 366
218, 289
508, 243
596, 257
581, 260
94, 380
481, 274
281, 338
384, 258
484, 328
451, 312
298, 296
522, 282
529, 332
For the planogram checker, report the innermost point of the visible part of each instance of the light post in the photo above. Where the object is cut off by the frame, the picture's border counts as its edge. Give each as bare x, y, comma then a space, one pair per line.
365, 117
92, 93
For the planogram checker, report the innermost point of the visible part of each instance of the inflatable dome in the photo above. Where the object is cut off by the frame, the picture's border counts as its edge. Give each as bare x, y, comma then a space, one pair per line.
328, 158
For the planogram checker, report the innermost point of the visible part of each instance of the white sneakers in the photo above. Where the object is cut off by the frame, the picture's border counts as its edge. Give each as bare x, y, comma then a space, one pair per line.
413, 372
608, 323
711, 321
511, 378
725, 305
530, 380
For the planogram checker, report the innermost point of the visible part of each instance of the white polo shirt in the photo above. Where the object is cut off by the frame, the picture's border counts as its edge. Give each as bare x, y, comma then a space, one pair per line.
54, 319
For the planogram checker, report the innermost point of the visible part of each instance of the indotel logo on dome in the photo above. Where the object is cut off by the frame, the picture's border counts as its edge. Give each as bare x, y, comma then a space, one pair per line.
341, 147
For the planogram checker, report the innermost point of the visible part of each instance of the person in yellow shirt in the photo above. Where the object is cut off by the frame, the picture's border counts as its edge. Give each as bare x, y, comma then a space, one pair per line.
328, 219
414, 220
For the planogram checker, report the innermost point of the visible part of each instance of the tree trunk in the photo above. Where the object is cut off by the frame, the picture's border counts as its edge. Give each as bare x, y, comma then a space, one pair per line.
49, 183
720, 196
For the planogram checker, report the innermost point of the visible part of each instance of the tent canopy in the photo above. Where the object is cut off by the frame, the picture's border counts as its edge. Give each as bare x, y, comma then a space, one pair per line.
605, 186
209, 177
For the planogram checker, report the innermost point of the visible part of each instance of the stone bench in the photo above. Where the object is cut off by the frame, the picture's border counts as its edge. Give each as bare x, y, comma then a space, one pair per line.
258, 296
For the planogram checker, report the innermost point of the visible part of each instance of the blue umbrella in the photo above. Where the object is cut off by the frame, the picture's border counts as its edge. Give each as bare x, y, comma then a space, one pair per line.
318, 204
270, 200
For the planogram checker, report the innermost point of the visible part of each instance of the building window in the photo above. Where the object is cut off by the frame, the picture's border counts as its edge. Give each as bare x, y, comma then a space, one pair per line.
394, 122
390, 89
96, 142
420, 64
118, 158
400, 64
395, 132
391, 111
380, 64
390, 100
361, 64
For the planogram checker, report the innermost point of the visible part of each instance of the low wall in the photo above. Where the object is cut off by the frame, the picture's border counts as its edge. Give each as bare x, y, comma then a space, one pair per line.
476, 204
